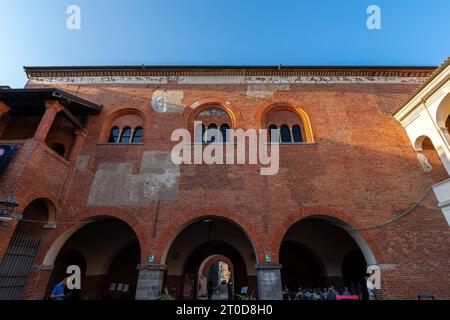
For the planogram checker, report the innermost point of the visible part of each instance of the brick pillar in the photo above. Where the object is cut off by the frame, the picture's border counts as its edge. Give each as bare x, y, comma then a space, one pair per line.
150, 281
4, 109
269, 282
37, 282
51, 109
77, 144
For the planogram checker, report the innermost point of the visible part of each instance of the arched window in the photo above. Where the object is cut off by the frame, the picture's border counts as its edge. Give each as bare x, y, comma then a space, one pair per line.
137, 135
125, 126
224, 130
290, 123
297, 134
217, 121
274, 135
126, 135
212, 133
285, 134
114, 135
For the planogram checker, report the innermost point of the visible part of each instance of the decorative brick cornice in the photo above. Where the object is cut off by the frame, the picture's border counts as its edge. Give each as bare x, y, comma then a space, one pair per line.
151, 71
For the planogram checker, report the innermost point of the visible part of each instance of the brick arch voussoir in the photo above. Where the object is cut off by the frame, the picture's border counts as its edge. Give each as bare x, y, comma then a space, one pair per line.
82, 217
164, 241
275, 239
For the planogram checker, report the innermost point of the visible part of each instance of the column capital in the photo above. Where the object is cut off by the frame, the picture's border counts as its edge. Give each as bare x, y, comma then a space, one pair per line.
81, 132
53, 104
157, 267
268, 266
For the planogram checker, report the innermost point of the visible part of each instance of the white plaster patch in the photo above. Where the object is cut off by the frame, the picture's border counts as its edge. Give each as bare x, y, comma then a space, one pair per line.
265, 90
115, 184
228, 79
168, 100
101, 80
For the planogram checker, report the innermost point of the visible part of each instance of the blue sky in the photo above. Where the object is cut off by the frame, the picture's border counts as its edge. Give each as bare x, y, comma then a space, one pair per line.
220, 32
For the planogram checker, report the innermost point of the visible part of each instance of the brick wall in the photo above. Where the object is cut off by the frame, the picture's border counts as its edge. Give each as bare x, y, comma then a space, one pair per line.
362, 170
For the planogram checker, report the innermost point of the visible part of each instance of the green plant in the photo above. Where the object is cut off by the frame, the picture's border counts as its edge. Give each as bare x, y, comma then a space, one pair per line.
246, 296
165, 295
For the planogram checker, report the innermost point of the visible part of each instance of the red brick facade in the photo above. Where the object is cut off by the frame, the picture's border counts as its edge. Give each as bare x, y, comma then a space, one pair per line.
361, 169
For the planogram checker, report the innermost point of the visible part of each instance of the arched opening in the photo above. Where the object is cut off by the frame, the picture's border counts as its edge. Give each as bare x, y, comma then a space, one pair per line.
114, 135
354, 269
215, 278
111, 253
68, 258
301, 266
443, 112
125, 135
320, 252
22, 249
201, 247
431, 154
137, 135
428, 155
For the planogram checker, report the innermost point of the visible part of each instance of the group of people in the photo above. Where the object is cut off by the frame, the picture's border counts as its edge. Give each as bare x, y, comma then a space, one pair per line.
327, 293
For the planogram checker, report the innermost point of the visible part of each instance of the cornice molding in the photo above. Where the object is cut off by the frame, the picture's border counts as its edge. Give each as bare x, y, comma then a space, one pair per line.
60, 72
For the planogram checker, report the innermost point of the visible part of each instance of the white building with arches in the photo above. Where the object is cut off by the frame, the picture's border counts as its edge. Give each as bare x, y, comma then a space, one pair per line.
426, 118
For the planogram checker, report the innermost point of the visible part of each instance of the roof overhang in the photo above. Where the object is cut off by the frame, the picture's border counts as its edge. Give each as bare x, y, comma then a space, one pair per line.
31, 102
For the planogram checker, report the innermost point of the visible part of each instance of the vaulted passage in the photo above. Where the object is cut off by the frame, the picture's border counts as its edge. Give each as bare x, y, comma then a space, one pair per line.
107, 252
319, 252
23, 247
211, 259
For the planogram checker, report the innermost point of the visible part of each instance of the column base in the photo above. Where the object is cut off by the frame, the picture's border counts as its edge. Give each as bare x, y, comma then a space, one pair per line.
150, 281
269, 282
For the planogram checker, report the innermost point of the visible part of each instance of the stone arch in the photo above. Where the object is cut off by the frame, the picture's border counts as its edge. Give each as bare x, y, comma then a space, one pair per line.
265, 112
443, 112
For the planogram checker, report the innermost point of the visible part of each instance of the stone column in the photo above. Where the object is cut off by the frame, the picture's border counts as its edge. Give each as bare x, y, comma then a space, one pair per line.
269, 282
4, 109
77, 144
150, 281
51, 109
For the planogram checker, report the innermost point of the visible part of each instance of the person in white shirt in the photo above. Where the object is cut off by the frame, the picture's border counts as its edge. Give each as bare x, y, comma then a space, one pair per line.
370, 288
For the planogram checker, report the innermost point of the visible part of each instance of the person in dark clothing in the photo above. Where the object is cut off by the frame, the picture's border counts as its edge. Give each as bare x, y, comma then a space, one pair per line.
230, 290
332, 293
209, 288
